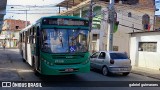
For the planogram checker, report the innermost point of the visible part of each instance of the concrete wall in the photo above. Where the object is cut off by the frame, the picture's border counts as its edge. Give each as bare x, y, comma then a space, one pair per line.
144, 58
121, 37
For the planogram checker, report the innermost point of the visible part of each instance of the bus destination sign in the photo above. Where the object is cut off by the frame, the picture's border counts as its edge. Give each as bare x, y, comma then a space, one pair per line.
65, 22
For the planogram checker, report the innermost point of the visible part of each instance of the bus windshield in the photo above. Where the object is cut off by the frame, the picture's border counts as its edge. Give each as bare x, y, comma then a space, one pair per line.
64, 40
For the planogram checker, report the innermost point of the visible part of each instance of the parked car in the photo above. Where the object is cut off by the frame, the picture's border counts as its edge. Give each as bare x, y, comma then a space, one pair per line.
111, 62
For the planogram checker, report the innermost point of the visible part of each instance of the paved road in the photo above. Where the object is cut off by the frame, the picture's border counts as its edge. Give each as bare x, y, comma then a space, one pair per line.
12, 68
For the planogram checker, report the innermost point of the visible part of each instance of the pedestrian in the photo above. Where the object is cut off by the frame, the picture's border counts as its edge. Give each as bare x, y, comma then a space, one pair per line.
4, 46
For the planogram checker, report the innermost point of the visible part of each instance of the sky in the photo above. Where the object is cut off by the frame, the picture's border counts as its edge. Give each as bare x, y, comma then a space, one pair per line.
158, 7
16, 9
19, 12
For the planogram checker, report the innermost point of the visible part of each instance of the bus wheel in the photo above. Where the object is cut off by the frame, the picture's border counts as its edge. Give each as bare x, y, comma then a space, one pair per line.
23, 58
35, 70
37, 73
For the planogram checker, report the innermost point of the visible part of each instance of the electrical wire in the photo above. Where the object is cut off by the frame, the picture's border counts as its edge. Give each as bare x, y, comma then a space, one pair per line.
30, 13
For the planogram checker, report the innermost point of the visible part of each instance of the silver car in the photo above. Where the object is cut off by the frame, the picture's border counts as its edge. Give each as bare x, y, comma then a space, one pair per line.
111, 62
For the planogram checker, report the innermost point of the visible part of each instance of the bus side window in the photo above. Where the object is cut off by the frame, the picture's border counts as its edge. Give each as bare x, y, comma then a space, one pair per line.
27, 37
30, 36
23, 37
34, 35
20, 38
27, 32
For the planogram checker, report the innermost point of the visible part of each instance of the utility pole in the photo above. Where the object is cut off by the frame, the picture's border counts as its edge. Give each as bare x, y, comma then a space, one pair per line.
90, 22
111, 16
133, 27
10, 30
26, 19
90, 15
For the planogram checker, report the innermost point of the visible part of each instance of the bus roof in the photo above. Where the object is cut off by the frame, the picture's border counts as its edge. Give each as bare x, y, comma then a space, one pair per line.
26, 28
71, 17
39, 20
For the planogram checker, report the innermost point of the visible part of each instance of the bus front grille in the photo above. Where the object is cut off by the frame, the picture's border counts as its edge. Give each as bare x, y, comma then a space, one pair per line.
67, 56
66, 63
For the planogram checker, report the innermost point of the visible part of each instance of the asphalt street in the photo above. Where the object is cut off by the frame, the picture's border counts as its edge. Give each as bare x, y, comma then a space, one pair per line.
12, 68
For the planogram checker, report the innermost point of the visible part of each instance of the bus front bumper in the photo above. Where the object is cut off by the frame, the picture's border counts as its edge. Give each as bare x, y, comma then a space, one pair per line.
64, 69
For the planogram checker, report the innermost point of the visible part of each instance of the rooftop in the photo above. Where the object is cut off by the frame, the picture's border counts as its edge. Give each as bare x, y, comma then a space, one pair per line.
158, 31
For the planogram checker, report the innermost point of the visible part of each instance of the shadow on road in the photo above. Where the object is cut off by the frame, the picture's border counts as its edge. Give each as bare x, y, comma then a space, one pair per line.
62, 78
112, 75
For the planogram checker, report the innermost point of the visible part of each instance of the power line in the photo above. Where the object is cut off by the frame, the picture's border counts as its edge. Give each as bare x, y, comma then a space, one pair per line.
130, 27
50, 5
30, 13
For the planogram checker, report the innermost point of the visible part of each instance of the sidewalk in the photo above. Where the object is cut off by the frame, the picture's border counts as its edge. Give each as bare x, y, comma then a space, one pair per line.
146, 72
10, 48
7, 70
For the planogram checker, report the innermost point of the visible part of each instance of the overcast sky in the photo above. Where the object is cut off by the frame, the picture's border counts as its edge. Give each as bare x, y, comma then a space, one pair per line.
30, 17
158, 7
32, 2
34, 17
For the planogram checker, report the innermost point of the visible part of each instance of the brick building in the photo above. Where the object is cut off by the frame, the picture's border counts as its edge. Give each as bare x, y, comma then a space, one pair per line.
10, 32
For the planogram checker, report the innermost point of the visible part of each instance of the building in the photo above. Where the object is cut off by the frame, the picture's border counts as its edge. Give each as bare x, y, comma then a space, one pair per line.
132, 15
10, 32
157, 23
3, 4
145, 49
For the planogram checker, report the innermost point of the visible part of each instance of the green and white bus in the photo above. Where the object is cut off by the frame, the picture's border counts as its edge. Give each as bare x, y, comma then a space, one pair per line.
56, 45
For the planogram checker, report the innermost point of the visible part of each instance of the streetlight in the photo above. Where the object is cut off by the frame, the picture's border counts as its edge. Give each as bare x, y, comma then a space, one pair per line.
9, 28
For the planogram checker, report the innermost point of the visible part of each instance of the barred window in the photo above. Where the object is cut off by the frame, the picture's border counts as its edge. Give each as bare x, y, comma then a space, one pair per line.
115, 48
95, 37
148, 46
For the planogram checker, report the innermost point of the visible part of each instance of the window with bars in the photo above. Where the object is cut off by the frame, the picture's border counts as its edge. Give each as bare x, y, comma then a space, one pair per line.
115, 48
95, 37
148, 46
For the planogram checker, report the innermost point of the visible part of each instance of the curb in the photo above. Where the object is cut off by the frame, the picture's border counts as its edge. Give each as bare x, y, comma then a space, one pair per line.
145, 74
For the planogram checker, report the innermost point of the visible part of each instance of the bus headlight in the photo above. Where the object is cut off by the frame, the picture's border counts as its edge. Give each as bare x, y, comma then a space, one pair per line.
85, 62
47, 62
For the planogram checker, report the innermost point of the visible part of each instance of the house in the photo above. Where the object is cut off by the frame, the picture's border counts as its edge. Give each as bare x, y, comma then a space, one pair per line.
10, 32
145, 49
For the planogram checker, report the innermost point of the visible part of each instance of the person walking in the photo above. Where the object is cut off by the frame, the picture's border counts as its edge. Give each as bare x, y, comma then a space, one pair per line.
4, 46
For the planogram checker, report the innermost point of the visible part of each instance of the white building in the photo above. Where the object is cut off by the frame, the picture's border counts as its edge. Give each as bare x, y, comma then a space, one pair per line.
145, 49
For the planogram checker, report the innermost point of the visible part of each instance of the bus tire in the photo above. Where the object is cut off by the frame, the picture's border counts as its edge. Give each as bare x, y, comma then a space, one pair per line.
37, 73
35, 70
23, 58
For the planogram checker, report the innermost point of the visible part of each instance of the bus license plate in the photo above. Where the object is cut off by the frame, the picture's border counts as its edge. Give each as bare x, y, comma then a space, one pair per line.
69, 70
